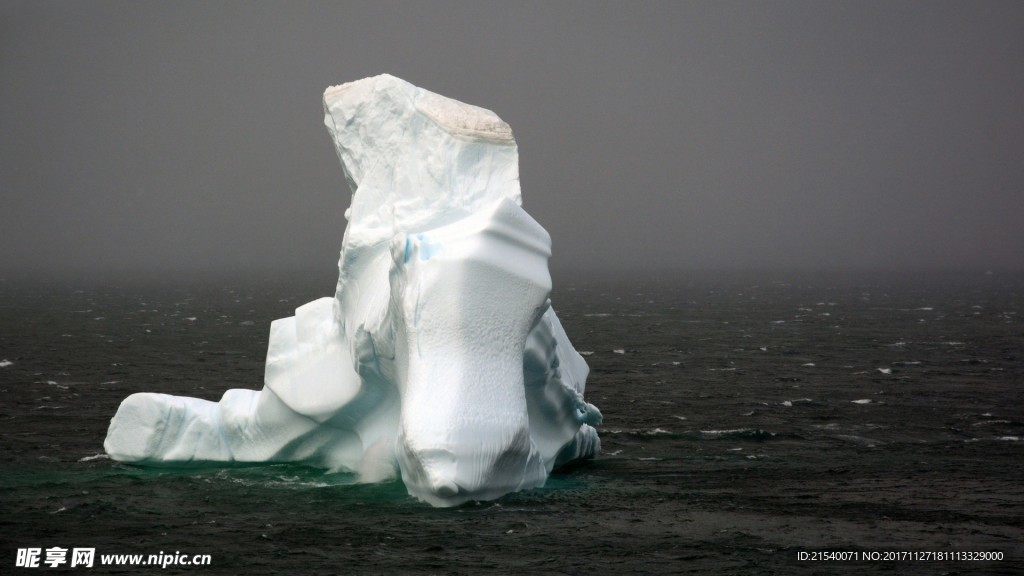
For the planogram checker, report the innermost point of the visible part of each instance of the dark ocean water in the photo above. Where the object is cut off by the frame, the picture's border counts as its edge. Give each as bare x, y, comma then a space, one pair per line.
747, 418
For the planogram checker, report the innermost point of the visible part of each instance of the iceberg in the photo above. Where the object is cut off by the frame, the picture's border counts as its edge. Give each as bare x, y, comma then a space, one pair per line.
439, 358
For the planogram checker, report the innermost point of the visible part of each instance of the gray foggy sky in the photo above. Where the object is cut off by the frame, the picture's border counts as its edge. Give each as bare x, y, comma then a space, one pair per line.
188, 135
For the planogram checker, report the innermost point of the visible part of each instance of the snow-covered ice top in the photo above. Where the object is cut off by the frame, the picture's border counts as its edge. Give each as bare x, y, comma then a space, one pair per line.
439, 358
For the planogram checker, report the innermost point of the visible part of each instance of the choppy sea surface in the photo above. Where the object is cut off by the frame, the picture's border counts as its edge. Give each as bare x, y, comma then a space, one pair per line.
748, 418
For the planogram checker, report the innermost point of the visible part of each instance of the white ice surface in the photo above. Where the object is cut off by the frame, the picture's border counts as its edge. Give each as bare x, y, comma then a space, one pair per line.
439, 358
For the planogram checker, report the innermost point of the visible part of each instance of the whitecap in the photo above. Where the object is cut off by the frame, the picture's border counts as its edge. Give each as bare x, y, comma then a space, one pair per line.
990, 422
99, 456
861, 401
619, 351
885, 370
5, 363
858, 440
721, 432
586, 352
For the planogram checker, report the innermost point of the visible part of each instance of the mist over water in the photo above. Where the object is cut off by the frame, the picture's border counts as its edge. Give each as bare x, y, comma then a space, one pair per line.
843, 135
747, 417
